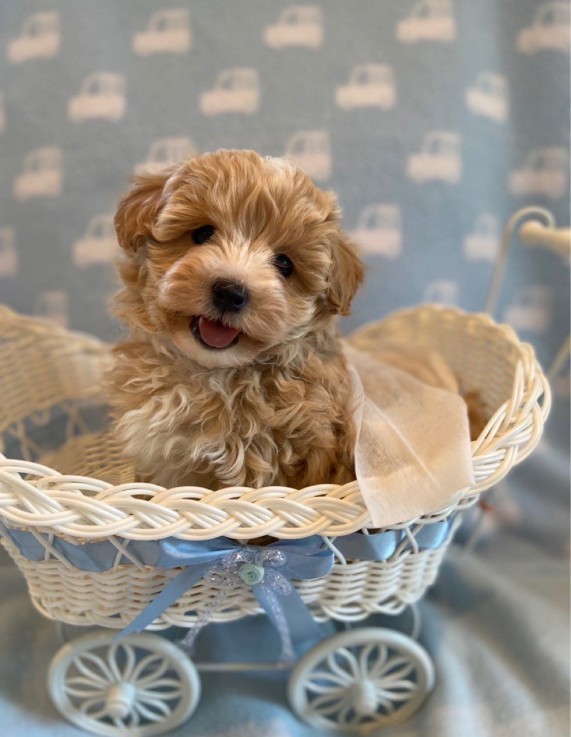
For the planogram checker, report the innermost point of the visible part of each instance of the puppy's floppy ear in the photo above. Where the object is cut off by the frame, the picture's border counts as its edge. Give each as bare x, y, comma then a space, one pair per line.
138, 209
346, 275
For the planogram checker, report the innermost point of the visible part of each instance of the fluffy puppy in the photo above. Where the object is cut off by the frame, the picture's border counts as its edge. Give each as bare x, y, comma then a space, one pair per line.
234, 267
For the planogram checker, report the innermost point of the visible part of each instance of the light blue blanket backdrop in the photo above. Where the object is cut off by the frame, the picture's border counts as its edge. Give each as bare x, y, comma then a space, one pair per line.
434, 122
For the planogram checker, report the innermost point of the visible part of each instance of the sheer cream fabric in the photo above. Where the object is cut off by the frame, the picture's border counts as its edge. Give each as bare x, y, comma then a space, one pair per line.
413, 452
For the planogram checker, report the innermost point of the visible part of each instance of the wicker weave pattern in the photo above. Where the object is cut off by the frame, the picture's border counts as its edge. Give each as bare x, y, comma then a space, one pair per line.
486, 356
101, 501
113, 599
42, 365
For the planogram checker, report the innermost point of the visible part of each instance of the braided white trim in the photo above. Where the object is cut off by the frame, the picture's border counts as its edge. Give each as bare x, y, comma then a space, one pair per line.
487, 357
42, 365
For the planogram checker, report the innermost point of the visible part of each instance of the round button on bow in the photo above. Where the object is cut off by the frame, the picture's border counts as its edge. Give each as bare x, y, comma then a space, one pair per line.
251, 573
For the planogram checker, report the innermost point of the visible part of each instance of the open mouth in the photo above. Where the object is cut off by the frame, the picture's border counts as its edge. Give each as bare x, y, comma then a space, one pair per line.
213, 334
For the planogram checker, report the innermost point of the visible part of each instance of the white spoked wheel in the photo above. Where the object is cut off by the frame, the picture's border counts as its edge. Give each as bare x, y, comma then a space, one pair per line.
140, 686
360, 680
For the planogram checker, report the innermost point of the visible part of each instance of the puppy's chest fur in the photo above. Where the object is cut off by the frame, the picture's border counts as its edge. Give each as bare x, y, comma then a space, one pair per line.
289, 425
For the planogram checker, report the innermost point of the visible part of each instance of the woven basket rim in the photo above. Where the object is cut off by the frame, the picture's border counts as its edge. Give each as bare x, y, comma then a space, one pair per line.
88, 508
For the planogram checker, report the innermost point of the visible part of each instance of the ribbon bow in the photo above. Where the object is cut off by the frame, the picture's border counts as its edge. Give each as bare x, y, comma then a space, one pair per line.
268, 570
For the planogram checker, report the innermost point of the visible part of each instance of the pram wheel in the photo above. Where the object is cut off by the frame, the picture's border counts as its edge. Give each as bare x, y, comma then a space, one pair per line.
360, 680
141, 686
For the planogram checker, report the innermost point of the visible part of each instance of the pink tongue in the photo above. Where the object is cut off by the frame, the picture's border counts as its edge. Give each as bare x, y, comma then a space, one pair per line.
216, 334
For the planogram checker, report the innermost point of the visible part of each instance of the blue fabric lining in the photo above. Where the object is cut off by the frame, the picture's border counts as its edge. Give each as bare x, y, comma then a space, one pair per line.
173, 552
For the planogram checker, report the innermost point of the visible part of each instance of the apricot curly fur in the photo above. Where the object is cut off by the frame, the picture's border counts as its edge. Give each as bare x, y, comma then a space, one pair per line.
276, 408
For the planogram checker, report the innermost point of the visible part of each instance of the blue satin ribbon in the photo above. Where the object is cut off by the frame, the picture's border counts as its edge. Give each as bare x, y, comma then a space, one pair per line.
307, 558
99, 556
381, 545
303, 559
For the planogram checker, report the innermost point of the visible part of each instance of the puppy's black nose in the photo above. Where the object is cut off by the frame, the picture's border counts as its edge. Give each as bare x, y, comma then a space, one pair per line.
229, 296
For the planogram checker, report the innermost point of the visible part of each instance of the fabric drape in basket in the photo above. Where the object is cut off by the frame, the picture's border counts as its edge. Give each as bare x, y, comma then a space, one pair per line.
413, 452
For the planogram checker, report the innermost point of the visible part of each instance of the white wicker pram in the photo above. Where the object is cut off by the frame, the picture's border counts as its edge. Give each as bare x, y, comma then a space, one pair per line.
356, 681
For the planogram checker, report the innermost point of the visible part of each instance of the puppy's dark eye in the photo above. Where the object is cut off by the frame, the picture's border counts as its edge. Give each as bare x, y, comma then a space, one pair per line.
202, 234
283, 264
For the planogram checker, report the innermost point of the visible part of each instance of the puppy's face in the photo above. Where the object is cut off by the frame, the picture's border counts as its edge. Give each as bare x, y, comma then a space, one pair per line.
230, 255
